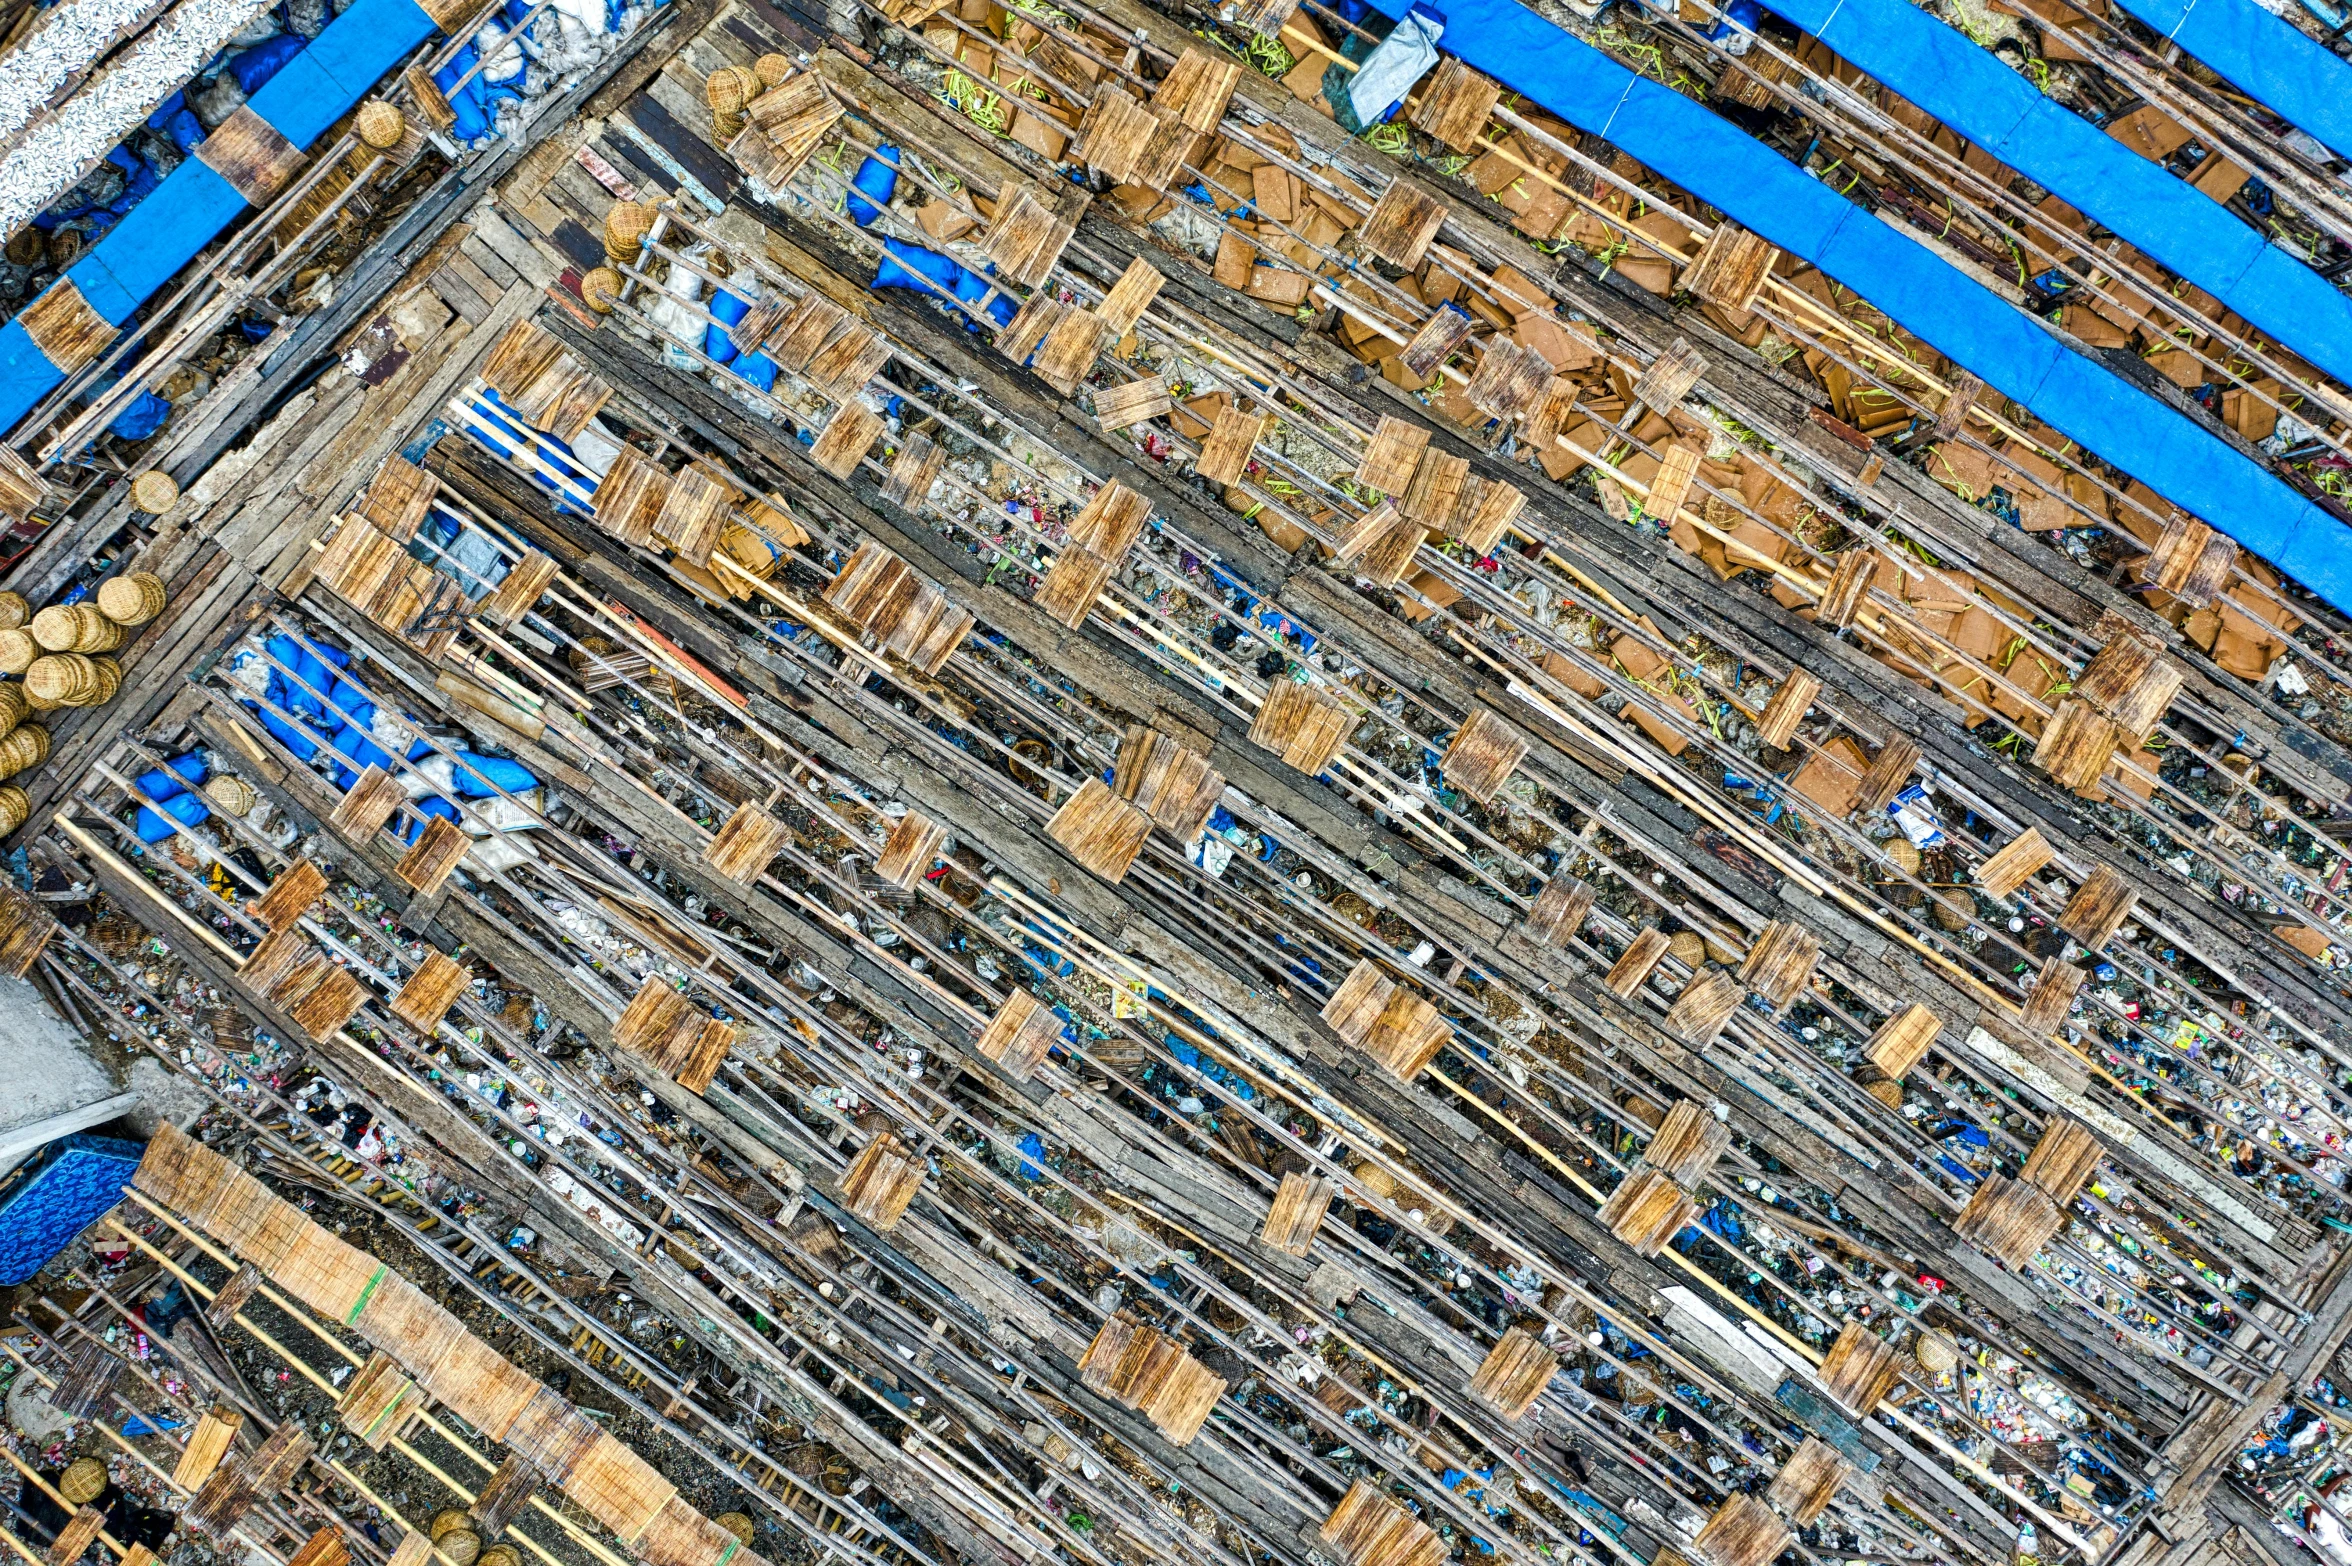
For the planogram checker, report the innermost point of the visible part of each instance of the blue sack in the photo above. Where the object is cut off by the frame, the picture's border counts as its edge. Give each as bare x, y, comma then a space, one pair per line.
255, 66
876, 182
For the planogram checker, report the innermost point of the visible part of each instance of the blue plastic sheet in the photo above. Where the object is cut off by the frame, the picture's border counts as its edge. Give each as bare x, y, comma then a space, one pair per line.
2266, 58
1947, 74
1950, 311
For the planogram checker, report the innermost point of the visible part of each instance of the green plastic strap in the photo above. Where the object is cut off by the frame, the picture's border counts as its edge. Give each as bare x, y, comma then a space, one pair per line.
365, 1295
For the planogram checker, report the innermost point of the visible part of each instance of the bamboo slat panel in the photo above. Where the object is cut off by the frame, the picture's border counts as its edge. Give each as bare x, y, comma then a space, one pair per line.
741, 849
294, 893
2008, 1220
1144, 1369
1743, 1531
2099, 907
1302, 724
1101, 831
1704, 1006
881, 1183
1688, 1143
1484, 753
1168, 781
425, 998
1646, 1210
1559, 911
215, 1432
1638, 961
1297, 1212
618, 1488
1367, 1528
1859, 1369
1515, 1373
908, 853
1809, 1481
2014, 863
2063, 1159
378, 1400
1018, 1037
1780, 964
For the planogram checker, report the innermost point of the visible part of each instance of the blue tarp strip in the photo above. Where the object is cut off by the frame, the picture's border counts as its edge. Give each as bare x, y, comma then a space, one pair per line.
1942, 305
182, 215
2266, 58
1947, 74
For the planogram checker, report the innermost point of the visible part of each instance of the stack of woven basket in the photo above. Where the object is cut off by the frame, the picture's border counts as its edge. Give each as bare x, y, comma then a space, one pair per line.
731, 87
61, 650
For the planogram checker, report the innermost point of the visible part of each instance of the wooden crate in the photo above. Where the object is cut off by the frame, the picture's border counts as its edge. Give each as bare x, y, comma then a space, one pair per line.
397, 498
2063, 1159
1436, 488
2052, 996
1484, 753
1401, 224
435, 853
1303, 724
1129, 297
2008, 1220
1730, 268
910, 850
1902, 1040
294, 893
1809, 1481
2099, 907
1380, 544
2190, 561
1168, 781
1297, 1212
1132, 402
1859, 1369
630, 496
1559, 912
740, 849
1641, 957
1791, 700
215, 1434
64, 326
1142, 1368
1392, 455
1197, 90
913, 471
2130, 682
1100, 830
1117, 131
694, 513
1704, 1006
1225, 455
1647, 1209
1688, 1142
1031, 229
1368, 1528
1743, 1531
1445, 330
1779, 966
847, 437
378, 1400
1455, 104
881, 1184
321, 995
2014, 863
430, 991
1509, 380
1406, 1035
1849, 584
1514, 1373
1488, 507
236, 1486
1889, 774
1357, 1003
1019, 1036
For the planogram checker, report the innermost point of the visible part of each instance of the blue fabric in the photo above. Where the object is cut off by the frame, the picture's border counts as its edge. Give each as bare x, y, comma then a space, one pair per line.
2266, 58
142, 418
254, 67
1951, 312
145, 250
877, 182
71, 1184
729, 310
1947, 74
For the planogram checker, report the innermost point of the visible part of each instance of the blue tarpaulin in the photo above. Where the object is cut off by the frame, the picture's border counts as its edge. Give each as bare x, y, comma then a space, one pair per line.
1958, 316
2265, 58
1949, 75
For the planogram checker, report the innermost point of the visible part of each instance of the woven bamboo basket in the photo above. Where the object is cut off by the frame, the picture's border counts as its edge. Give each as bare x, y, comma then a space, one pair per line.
380, 125
24, 747
500, 1555
1936, 1352
14, 611
601, 289
17, 650
154, 492
625, 228
94, 631
725, 92
459, 1546
771, 69
738, 1523
134, 599
16, 806
232, 795
447, 1521
83, 1481
13, 707
725, 127
619, 1489
64, 679
55, 628
110, 678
